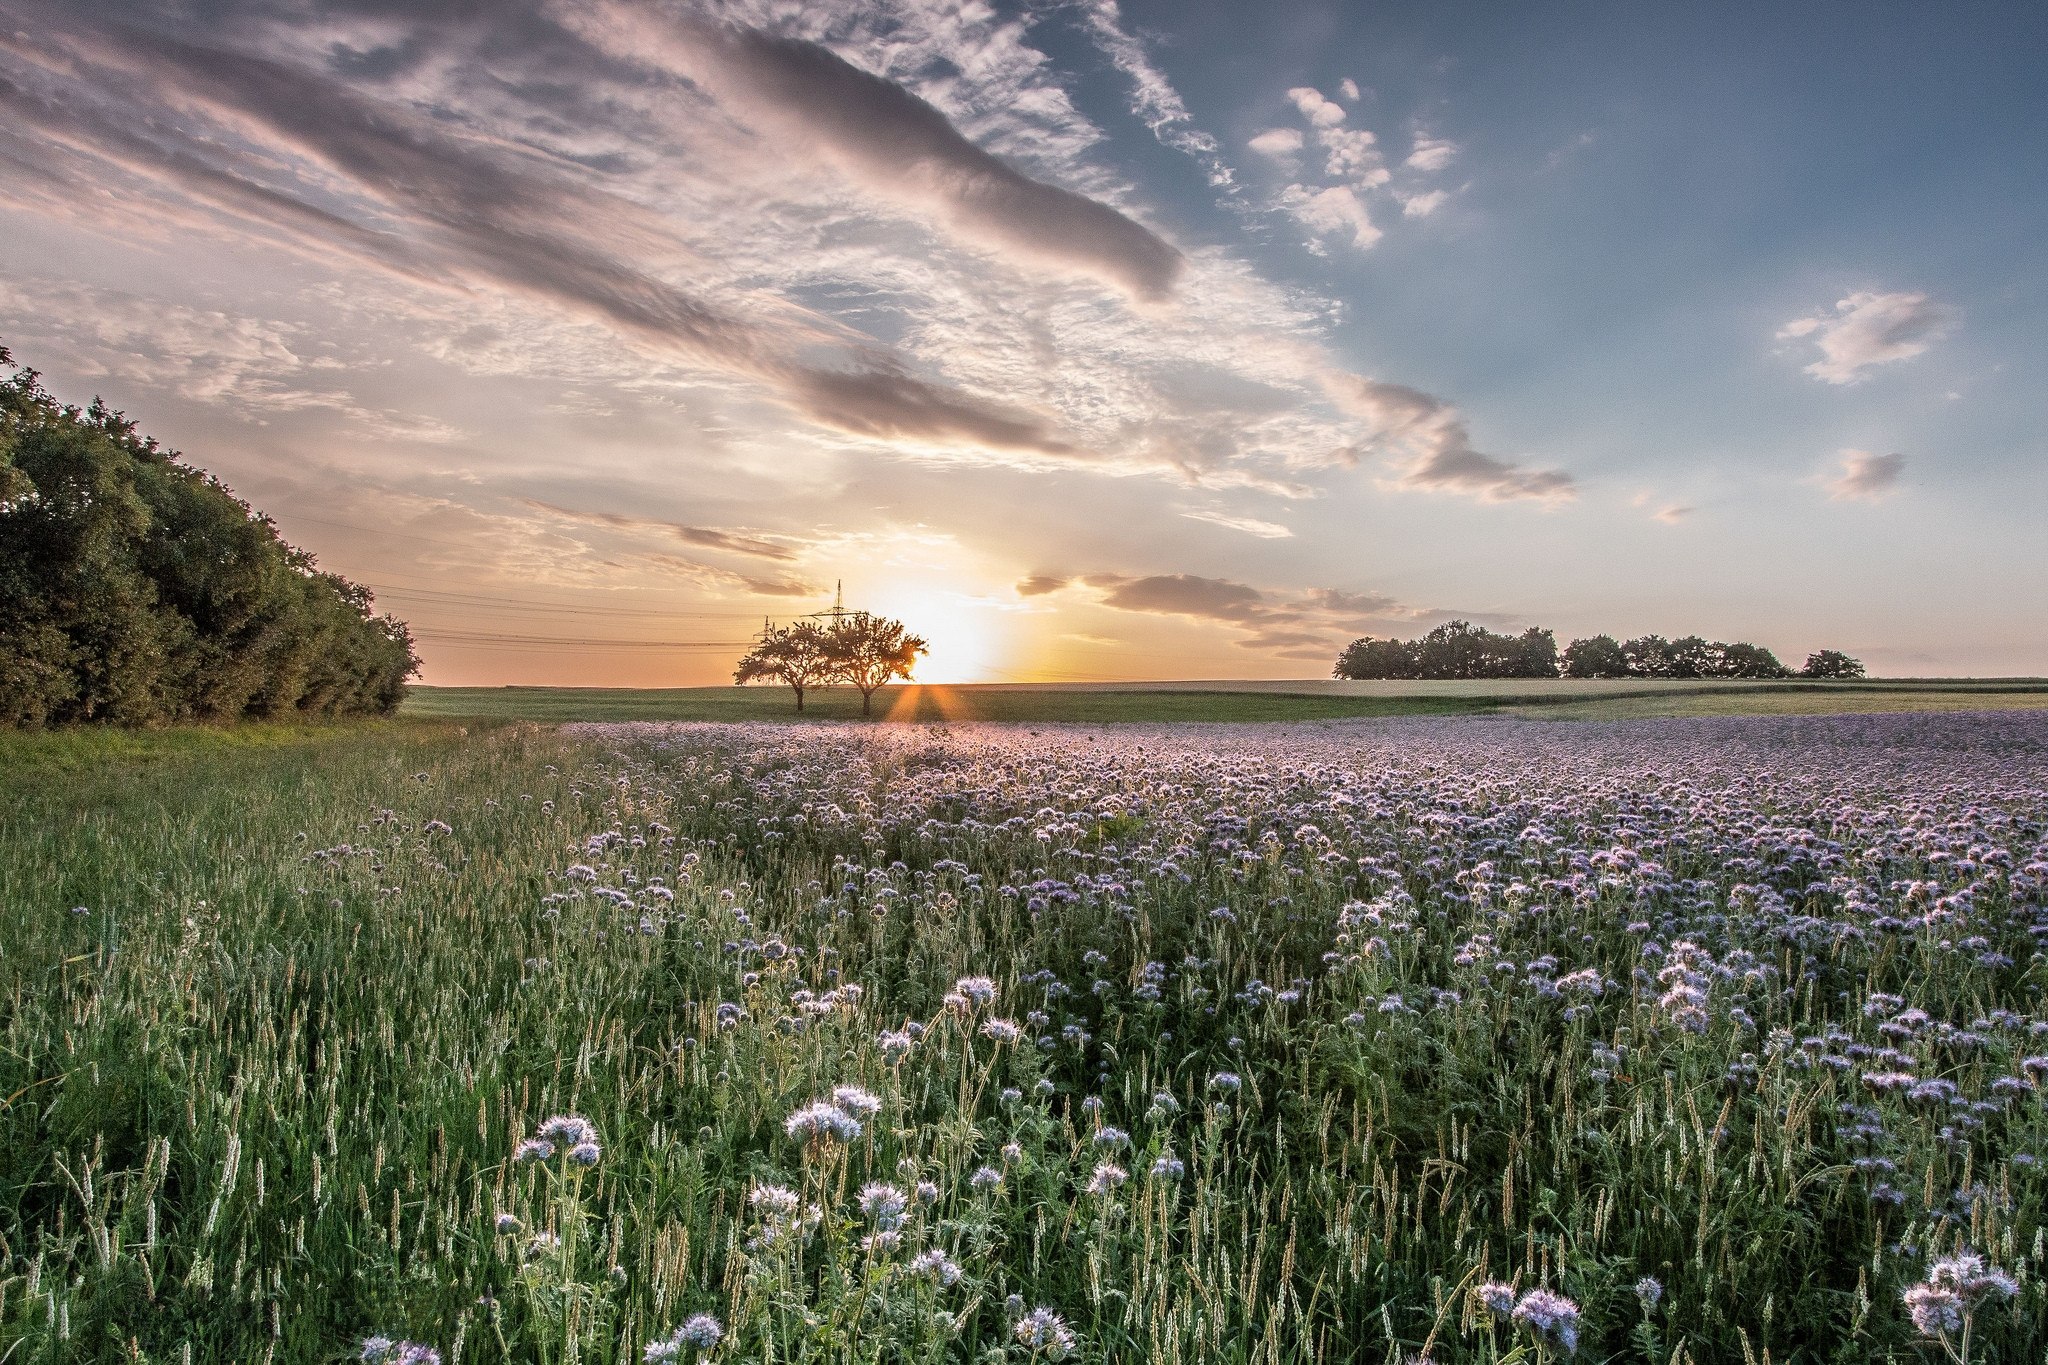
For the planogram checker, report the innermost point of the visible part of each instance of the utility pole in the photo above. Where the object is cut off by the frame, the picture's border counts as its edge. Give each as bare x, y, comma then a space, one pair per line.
839, 612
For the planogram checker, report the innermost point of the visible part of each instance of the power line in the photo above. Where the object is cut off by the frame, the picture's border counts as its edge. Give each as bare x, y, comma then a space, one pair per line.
479, 637
482, 601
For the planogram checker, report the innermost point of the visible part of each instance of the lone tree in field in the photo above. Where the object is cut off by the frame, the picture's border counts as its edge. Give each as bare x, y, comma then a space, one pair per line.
793, 654
866, 651
1831, 663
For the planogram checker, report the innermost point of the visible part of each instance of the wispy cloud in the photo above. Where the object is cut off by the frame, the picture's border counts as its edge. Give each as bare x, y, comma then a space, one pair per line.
1153, 98
709, 537
1433, 449
1310, 624
1865, 477
899, 146
1868, 329
1251, 526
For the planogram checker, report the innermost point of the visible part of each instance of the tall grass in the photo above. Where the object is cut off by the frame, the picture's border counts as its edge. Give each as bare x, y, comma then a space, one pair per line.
1161, 1046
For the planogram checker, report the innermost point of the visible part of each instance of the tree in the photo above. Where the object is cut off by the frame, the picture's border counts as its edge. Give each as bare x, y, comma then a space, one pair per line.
1535, 654
138, 590
1649, 656
1596, 656
1831, 663
794, 654
1369, 658
1750, 661
866, 651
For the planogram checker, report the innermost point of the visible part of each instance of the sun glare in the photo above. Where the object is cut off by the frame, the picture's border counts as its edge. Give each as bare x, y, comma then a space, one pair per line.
964, 633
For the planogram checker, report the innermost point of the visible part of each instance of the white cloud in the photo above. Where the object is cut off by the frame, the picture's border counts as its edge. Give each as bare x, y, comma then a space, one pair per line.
1867, 329
1421, 205
1351, 159
1430, 153
1348, 88
1318, 110
1330, 212
1281, 144
1865, 477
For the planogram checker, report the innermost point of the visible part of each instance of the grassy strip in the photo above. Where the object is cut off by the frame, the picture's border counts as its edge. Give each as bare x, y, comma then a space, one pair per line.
1555, 700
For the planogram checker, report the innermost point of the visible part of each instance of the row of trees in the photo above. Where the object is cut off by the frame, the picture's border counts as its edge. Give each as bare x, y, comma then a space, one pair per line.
137, 590
1459, 649
859, 649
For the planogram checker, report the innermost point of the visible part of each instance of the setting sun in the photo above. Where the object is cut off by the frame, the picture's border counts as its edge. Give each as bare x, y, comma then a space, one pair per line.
965, 633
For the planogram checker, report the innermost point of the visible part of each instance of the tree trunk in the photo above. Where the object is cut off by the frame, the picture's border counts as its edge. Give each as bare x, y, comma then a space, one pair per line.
867, 702
799, 699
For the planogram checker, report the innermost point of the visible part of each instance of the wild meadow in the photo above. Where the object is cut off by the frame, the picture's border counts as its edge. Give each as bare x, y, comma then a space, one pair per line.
1701, 1040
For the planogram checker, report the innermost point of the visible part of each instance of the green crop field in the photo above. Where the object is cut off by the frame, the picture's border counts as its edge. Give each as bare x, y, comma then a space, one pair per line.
1226, 700
1461, 1037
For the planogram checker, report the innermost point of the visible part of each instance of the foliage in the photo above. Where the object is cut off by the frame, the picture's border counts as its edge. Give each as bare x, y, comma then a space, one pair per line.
137, 590
1455, 649
1829, 663
1459, 649
867, 651
794, 654
917, 1045
1597, 656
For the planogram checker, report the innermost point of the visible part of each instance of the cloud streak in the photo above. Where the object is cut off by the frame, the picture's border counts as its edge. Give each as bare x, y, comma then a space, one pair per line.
707, 537
1305, 625
1432, 448
898, 145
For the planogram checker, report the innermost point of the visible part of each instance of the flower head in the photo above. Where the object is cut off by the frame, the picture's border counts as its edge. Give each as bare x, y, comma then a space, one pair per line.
821, 1121
884, 1204
1042, 1330
1552, 1317
1107, 1176
569, 1129
1936, 1310
936, 1265
385, 1351
856, 1100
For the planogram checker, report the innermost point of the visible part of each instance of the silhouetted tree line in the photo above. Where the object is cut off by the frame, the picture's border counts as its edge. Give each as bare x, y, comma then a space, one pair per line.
1459, 649
137, 590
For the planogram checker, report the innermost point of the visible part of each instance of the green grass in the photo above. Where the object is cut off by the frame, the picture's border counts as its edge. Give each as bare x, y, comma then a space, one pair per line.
918, 704
1559, 699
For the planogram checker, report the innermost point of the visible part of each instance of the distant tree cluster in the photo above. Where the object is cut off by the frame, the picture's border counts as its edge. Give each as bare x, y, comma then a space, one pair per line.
1455, 649
859, 649
137, 590
1459, 649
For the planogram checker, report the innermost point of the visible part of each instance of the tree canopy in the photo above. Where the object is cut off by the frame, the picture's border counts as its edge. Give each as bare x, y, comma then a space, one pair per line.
793, 654
138, 590
1455, 649
867, 651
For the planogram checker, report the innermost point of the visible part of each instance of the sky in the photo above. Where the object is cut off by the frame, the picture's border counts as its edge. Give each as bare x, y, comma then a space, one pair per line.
1097, 339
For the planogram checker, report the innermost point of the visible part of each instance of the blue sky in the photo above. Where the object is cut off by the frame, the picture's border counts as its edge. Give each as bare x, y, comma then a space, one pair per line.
1097, 340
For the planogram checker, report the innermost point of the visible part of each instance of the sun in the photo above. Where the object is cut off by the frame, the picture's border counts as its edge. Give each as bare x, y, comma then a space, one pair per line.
963, 632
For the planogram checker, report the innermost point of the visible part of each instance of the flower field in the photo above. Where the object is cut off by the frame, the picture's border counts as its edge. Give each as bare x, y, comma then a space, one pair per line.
1704, 1040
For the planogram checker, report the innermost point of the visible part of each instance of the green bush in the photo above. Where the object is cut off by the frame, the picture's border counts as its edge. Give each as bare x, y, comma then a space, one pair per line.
137, 590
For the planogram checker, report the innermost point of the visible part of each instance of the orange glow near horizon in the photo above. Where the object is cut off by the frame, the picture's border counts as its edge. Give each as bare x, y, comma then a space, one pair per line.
965, 633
